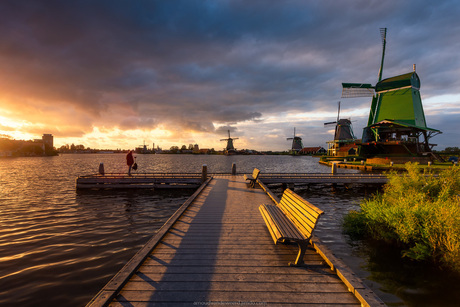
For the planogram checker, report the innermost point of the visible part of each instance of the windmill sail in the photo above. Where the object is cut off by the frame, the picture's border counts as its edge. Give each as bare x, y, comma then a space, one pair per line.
352, 90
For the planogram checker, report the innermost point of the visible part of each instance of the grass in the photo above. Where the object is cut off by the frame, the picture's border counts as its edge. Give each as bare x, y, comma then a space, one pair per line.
418, 211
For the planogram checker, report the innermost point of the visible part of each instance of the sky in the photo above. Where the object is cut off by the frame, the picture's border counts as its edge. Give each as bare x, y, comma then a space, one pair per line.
118, 74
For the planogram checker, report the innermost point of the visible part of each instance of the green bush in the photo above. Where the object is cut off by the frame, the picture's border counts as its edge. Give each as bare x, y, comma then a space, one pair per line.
419, 211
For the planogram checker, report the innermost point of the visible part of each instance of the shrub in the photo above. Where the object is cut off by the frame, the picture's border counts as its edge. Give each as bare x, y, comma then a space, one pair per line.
418, 211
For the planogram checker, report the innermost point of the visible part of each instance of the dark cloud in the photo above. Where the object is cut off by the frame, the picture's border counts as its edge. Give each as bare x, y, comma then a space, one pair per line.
190, 64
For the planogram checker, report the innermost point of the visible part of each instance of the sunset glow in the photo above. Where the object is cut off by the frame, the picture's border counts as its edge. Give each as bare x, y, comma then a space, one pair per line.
153, 74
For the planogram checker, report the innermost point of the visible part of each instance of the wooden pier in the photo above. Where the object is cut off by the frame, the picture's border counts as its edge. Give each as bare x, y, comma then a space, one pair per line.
177, 180
323, 178
217, 250
140, 181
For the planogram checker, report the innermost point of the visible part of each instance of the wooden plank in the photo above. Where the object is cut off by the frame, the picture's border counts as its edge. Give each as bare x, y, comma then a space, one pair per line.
234, 277
316, 269
340, 298
232, 286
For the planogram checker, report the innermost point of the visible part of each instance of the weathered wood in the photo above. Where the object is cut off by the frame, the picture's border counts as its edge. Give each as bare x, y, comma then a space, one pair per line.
109, 291
267, 297
240, 286
322, 178
237, 276
139, 181
218, 251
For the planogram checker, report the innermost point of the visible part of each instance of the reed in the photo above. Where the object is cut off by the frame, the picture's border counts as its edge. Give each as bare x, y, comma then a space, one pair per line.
419, 212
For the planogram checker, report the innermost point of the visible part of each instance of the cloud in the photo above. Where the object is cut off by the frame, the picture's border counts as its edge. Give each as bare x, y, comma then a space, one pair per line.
190, 66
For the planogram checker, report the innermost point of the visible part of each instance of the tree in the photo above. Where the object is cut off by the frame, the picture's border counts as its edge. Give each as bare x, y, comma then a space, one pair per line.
452, 150
174, 149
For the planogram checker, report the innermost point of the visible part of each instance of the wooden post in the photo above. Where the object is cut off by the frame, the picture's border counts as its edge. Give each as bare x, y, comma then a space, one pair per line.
101, 169
233, 169
204, 173
334, 168
429, 163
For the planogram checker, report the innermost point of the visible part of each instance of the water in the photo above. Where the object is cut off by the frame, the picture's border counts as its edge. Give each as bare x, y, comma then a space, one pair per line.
59, 246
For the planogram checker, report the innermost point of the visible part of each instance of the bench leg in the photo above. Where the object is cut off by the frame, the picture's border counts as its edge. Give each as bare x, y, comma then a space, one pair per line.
302, 249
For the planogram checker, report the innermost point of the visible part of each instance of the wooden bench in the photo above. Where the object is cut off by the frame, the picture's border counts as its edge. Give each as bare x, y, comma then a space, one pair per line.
293, 219
252, 179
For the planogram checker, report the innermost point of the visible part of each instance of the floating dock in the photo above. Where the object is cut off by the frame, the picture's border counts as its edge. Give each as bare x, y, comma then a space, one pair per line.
139, 181
323, 178
177, 180
216, 250
362, 167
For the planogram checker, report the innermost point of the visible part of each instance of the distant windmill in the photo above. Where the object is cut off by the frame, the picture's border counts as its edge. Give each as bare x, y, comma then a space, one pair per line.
343, 128
229, 142
296, 143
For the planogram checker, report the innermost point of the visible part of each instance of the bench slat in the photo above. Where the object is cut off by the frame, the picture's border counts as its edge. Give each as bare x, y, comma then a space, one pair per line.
301, 219
282, 228
302, 213
269, 221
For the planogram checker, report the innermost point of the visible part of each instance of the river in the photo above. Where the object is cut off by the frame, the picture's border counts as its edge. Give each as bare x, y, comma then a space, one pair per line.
59, 246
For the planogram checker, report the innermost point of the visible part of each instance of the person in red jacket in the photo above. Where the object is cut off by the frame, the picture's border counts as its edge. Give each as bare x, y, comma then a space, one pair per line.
129, 161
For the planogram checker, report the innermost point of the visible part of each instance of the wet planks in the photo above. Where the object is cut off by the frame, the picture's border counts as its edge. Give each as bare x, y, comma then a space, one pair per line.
220, 252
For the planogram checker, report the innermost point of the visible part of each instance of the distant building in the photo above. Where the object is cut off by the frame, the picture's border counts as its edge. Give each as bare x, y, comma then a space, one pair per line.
48, 140
312, 150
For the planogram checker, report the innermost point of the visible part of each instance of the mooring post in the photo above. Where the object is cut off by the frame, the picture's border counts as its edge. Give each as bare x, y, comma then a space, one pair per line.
233, 168
101, 169
204, 173
334, 168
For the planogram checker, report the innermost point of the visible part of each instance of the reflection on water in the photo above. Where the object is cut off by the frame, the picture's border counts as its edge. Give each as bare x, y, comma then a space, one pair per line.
59, 246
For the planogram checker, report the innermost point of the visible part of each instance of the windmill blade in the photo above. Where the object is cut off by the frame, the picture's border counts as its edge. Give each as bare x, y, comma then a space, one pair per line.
235, 138
289, 139
329, 123
383, 34
338, 113
352, 90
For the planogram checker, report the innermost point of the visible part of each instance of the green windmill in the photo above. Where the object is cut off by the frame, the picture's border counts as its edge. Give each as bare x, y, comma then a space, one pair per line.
396, 119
